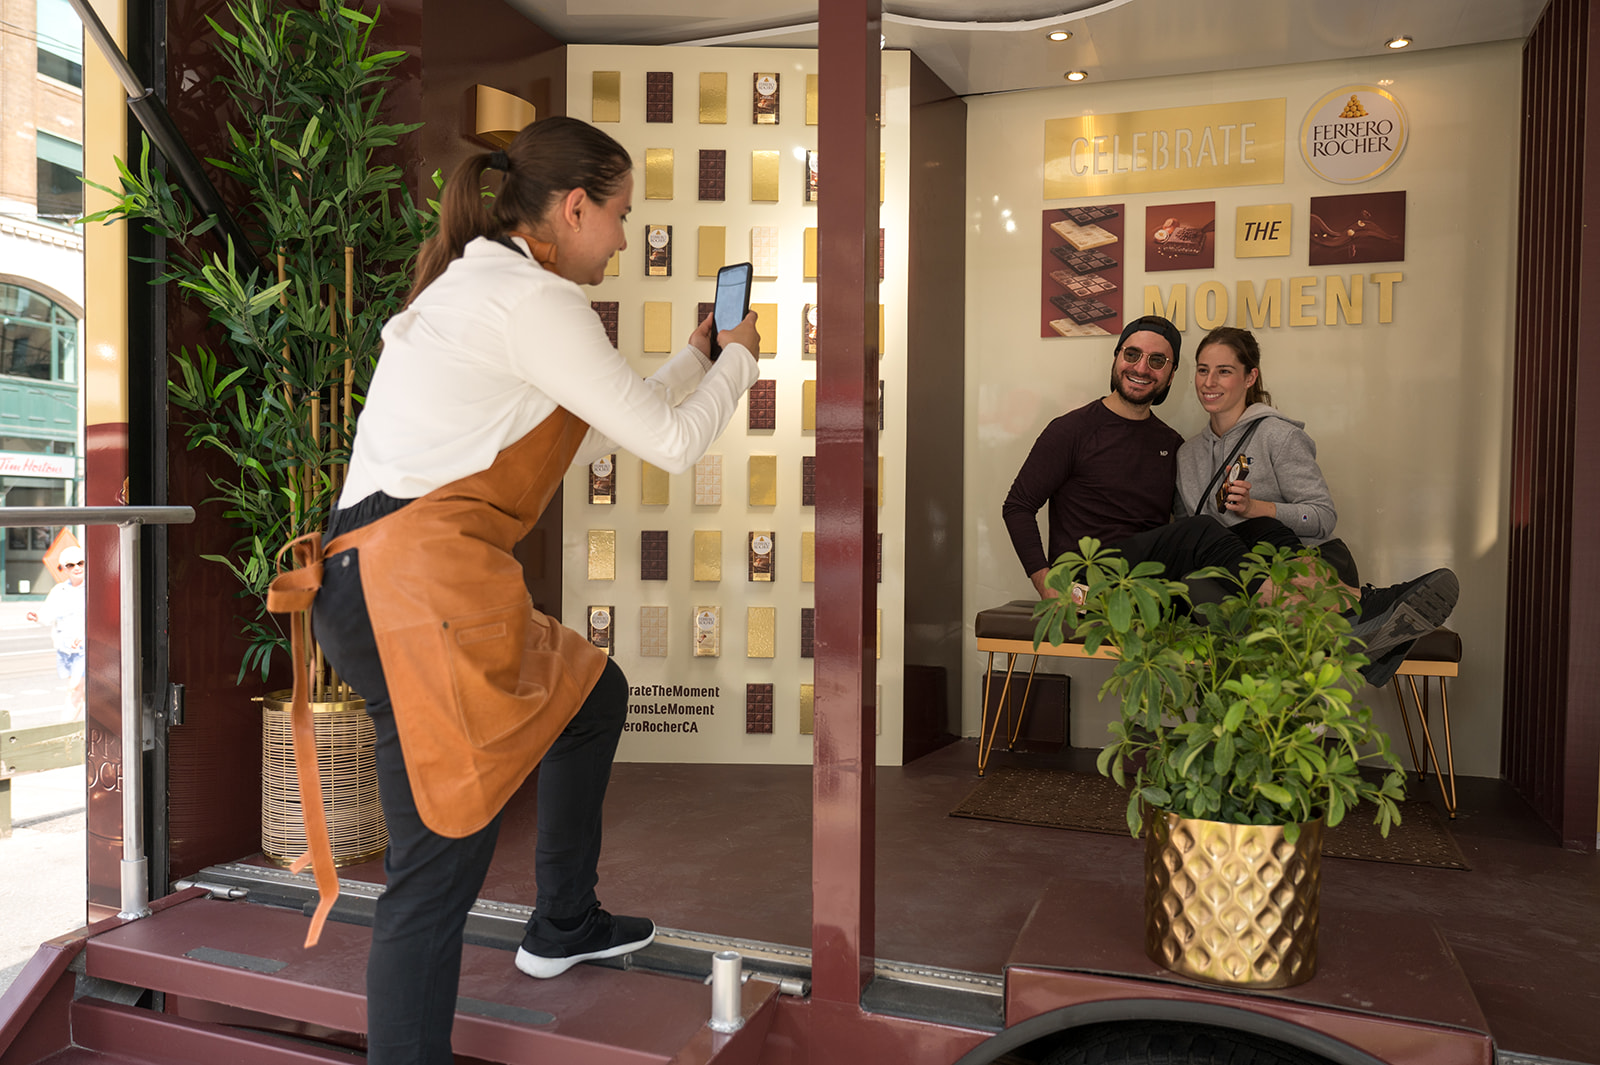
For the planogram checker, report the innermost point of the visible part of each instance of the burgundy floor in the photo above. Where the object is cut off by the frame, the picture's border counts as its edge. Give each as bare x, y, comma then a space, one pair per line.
726, 850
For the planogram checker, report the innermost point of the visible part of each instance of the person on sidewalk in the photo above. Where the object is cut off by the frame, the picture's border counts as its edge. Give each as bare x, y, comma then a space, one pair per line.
64, 610
1108, 470
495, 379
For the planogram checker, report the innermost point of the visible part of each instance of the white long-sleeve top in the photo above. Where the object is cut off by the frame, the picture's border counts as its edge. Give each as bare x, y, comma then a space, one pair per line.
491, 348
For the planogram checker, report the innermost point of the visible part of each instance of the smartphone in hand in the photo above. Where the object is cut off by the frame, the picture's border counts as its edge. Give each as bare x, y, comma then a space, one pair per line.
733, 301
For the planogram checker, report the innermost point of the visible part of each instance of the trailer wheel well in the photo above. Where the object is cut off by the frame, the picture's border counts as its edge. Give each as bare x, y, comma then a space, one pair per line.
1056, 1032
1169, 1043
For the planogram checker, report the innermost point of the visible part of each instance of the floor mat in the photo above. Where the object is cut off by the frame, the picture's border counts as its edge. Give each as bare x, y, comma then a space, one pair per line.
1088, 802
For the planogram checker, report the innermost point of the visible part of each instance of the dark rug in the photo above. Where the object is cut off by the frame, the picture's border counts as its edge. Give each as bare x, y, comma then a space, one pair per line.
1088, 802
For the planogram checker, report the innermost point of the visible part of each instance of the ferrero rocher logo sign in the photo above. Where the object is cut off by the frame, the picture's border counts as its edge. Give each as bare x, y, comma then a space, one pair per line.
1353, 134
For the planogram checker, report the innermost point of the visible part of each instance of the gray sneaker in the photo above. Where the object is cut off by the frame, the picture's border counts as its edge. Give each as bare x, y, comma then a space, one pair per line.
1394, 618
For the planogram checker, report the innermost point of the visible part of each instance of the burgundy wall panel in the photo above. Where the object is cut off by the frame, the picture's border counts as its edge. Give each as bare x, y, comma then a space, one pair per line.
1550, 743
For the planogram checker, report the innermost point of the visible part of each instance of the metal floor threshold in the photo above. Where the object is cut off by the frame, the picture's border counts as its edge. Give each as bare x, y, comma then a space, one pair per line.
897, 988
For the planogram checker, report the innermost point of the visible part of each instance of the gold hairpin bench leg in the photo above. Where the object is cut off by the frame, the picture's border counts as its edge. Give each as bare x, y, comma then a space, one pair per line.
986, 737
1405, 719
1447, 771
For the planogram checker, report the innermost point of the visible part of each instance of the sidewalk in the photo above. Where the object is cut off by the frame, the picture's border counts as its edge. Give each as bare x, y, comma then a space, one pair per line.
43, 880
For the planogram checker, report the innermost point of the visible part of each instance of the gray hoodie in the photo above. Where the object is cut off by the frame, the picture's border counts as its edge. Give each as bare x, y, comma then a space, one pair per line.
1283, 471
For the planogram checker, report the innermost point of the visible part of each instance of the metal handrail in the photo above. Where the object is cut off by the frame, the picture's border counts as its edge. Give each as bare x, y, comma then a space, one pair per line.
135, 874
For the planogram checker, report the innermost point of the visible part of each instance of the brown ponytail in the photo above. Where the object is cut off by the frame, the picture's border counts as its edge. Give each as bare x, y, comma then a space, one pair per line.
1243, 344
547, 159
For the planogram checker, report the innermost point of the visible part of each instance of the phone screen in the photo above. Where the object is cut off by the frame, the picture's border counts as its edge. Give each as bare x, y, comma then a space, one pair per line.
732, 286
732, 303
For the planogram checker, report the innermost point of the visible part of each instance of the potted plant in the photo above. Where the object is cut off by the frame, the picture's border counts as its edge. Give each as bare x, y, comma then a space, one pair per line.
298, 318
1239, 726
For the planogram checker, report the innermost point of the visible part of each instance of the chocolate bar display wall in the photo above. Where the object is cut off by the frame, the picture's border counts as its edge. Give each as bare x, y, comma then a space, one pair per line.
728, 549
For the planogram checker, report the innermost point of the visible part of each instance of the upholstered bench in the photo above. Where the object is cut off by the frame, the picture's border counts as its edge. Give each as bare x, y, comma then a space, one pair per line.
1008, 630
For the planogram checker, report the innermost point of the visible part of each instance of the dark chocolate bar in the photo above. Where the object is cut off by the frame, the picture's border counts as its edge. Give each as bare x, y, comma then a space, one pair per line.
1082, 311
1083, 262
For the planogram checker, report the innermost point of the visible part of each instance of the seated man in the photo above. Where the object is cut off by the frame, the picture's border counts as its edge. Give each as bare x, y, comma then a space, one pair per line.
1108, 469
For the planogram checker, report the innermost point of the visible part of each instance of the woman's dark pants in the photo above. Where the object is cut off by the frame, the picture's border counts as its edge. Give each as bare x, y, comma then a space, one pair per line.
433, 880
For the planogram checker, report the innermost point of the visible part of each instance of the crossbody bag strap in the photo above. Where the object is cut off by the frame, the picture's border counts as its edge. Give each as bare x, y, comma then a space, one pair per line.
1233, 453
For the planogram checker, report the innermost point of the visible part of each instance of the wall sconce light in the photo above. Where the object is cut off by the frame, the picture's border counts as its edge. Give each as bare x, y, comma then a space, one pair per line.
497, 115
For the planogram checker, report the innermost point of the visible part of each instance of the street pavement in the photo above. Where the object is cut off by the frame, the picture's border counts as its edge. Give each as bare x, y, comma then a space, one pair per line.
42, 865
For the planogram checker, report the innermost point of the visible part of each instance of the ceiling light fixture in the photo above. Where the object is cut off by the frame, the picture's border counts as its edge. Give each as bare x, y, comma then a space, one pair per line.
1075, 75
1060, 35
1397, 42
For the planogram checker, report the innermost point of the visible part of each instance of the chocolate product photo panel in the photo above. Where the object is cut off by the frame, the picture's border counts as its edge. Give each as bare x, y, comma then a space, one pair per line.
1180, 236
1080, 266
1367, 227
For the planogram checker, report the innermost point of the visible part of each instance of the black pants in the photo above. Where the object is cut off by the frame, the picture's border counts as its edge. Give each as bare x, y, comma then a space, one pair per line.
415, 964
1186, 545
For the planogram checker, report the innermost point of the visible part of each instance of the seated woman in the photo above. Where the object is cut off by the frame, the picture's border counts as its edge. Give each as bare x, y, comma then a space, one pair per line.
1256, 472
1282, 498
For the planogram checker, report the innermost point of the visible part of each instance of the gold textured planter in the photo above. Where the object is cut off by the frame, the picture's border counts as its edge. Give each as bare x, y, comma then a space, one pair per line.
1232, 904
348, 766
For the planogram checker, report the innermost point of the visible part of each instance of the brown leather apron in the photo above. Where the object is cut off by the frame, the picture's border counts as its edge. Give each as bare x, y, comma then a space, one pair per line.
481, 684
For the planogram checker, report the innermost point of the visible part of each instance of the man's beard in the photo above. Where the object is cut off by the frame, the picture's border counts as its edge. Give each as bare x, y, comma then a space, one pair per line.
1154, 400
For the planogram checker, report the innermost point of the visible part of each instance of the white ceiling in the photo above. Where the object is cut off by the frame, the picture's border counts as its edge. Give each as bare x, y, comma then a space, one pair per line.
987, 46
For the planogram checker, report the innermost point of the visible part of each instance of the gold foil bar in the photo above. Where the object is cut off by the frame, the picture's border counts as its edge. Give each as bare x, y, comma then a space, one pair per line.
767, 326
764, 105
607, 105
602, 554
658, 251
658, 173
808, 558
708, 632
811, 99
764, 176
761, 632
653, 631
713, 250
808, 709
810, 271
763, 557
808, 406
614, 265
713, 99
707, 555
655, 486
600, 628
763, 480
603, 479
657, 327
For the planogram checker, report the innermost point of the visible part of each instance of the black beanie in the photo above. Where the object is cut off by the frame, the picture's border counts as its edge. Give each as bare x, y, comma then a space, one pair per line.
1154, 323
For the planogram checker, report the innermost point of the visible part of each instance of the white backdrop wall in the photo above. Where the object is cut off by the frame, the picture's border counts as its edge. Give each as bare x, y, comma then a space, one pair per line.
1411, 418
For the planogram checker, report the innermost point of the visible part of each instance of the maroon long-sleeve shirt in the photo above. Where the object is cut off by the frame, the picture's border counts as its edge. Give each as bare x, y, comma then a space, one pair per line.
1103, 475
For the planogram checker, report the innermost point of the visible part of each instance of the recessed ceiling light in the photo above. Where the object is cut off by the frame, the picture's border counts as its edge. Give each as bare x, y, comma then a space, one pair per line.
1060, 35
1397, 42
1075, 75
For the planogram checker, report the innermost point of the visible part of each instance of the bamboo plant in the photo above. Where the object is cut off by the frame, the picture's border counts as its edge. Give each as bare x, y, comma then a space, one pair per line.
298, 316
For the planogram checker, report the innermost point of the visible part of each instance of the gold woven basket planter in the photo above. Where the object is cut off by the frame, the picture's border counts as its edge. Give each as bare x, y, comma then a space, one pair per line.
348, 765
1232, 904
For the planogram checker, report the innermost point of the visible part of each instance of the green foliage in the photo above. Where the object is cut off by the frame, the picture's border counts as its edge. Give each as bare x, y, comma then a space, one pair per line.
1241, 711
307, 95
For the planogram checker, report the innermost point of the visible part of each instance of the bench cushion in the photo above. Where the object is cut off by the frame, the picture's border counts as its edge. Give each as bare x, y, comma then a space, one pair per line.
1014, 621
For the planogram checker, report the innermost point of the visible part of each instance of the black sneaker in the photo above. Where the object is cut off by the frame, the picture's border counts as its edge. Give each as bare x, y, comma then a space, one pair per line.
1393, 618
551, 952
1380, 671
